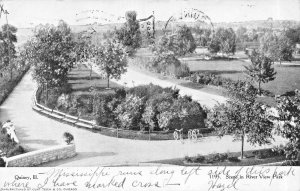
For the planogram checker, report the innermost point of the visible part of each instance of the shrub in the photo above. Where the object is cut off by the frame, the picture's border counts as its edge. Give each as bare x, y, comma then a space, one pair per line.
8, 146
290, 163
76, 101
233, 159
190, 113
195, 159
217, 157
199, 159
150, 115
63, 101
265, 153
129, 112
147, 91
179, 71
68, 137
53, 95
15, 151
188, 159
73, 111
2, 162
66, 88
120, 93
103, 109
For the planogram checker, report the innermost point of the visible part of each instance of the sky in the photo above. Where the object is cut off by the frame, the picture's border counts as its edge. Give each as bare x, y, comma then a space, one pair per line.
28, 13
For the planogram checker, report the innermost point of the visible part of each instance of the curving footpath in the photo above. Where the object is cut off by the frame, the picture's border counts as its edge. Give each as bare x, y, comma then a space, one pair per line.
134, 78
36, 131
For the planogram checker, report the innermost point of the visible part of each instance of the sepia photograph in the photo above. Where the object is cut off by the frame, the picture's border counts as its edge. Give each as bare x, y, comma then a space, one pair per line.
193, 85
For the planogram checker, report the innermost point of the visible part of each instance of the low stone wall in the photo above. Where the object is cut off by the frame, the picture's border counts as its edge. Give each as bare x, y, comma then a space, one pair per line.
35, 158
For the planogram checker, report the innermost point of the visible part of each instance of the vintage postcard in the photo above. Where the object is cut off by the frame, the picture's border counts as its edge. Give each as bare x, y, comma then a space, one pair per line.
149, 95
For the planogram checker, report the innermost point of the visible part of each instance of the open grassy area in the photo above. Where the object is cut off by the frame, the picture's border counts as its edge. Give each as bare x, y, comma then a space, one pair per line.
81, 83
287, 78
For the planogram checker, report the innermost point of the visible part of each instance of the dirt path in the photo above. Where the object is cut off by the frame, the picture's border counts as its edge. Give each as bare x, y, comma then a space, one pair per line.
133, 78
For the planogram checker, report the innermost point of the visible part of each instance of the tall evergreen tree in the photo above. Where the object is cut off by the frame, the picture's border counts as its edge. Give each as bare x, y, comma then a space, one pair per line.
129, 34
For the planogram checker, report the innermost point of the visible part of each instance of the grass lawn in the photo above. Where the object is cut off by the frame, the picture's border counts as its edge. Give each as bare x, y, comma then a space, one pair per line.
79, 79
287, 78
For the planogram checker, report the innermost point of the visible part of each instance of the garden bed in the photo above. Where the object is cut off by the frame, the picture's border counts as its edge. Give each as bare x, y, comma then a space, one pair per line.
252, 157
107, 106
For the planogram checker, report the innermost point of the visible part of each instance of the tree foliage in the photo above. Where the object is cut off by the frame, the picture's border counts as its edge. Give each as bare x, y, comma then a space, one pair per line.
241, 34
180, 43
170, 47
293, 34
111, 59
223, 41
129, 112
129, 34
289, 114
7, 47
260, 69
277, 47
203, 36
51, 49
242, 117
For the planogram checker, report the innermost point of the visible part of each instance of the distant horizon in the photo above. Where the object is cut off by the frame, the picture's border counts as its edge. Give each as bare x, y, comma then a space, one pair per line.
31, 27
29, 13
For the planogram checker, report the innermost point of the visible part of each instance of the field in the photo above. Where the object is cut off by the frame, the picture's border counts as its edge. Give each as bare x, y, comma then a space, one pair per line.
287, 78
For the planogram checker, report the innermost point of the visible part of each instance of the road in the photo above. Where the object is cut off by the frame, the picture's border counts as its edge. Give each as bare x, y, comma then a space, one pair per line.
134, 78
36, 131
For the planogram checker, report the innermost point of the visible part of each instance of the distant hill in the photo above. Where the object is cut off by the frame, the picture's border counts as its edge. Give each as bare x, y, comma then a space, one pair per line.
24, 34
260, 24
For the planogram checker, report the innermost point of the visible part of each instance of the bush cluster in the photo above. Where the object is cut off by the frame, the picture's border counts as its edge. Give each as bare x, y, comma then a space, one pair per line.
148, 107
9, 147
227, 83
212, 158
265, 153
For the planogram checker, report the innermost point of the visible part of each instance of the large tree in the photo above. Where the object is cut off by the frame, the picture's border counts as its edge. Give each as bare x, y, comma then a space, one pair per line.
242, 117
85, 50
171, 46
111, 59
8, 39
293, 34
53, 54
277, 47
184, 40
129, 34
223, 41
241, 34
203, 36
260, 69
